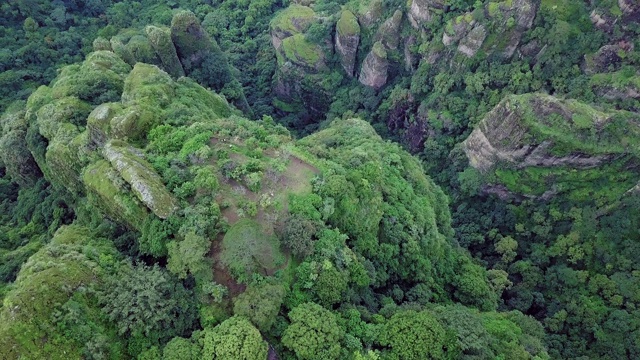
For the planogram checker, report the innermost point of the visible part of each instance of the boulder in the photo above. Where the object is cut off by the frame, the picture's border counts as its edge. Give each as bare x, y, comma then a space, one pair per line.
471, 43
293, 20
374, 69
160, 39
17, 159
145, 183
107, 190
389, 32
347, 40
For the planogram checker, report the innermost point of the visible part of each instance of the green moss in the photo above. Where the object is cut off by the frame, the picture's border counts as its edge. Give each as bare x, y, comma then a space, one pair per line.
348, 25
63, 159
189, 37
145, 183
47, 281
147, 84
107, 191
142, 50
294, 19
379, 50
160, 39
298, 50
614, 133
66, 110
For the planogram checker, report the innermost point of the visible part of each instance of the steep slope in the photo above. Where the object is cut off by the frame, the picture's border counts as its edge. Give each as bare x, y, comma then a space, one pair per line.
538, 145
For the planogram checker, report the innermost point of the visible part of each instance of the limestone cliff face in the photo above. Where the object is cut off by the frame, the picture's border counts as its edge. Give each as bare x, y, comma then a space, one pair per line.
539, 146
145, 183
389, 32
516, 132
420, 11
161, 41
374, 69
471, 43
347, 40
508, 19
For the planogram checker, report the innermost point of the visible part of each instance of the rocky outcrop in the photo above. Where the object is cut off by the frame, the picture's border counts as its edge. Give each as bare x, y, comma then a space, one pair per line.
374, 69
295, 19
347, 40
420, 11
108, 192
15, 157
302, 53
471, 43
606, 59
372, 13
537, 130
191, 40
160, 39
630, 8
389, 32
457, 28
508, 21
145, 183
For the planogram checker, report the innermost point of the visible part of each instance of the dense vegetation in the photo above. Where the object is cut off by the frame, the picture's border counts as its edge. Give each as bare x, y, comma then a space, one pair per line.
319, 180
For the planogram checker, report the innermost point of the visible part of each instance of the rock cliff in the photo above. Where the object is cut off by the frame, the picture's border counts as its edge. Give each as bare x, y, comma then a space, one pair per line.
347, 40
536, 135
374, 69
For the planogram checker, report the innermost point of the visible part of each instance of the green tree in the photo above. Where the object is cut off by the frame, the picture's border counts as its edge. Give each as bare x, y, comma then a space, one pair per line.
180, 349
261, 304
147, 300
416, 335
314, 333
234, 339
189, 256
297, 235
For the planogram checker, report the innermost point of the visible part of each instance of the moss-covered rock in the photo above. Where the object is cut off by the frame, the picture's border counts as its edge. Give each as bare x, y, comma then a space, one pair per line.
122, 51
140, 47
99, 123
145, 183
100, 44
303, 53
295, 19
65, 110
63, 158
389, 32
160, 39
347, 40
374, 69
149, 85
100, 78
110, 193
471, 43
549, 143
50, 278
370, 12
15, 156
191, 40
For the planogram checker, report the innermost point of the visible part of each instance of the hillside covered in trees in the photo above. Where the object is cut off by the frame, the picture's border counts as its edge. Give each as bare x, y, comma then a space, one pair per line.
365, 179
